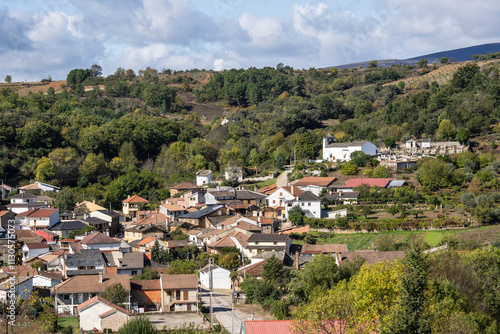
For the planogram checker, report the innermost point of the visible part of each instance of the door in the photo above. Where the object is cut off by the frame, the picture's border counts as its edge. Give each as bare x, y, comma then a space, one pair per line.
186, 295
178, 295
189, 307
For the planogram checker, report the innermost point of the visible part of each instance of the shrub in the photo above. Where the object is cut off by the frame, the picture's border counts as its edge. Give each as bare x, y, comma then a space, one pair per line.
138, 325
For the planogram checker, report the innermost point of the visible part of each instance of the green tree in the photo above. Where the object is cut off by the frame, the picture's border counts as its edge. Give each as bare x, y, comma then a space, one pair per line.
410, 315
434, 174
422, 63
296, 215
381, 172
137, 325
230, 260
320, 275
463, 136
115, 293
45, 170
349, 168
372, 64
361, 159
8, 79
443, 60
127, 155
96, 70
366, 210
274, 271
93, 166
446, 130
66, 162
305, 146
65, 201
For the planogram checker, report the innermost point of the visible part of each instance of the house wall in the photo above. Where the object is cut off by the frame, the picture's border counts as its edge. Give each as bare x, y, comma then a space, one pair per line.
279, 198
103, 247
89, 317
316, 190
44, 282
201, 180
33, 252
114, 321
344, 153
170, 296
313, 206
220, 279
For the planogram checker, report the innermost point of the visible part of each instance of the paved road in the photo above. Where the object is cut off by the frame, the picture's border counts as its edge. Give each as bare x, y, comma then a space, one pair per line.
221, 303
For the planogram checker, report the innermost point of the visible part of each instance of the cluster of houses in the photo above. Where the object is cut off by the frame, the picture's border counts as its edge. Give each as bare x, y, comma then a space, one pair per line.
63, 261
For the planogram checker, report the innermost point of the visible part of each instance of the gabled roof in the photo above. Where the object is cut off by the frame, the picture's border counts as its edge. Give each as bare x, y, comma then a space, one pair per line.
28, 236
185, 186
24, 195
370, 182
249, 195
201, 213
268, 237
36, 186
351, 144
309, 197
68, 225
253, 269
268, 189
38, 213
135, 199
37, 245
86, 257
90, 283
293, 190
98, 299
222, 194
86, 207
189, 281
145, 241
228, 242
315, 181
204, 172
98, 238
145, 285
4, 212
173, 207
155, 218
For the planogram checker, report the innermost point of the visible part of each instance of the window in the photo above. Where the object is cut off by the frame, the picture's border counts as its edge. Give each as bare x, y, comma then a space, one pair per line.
274, 201
302, 204
309, 204
134, 272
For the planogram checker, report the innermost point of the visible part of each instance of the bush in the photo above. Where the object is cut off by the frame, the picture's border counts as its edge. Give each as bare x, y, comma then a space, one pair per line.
138, 325
66, 330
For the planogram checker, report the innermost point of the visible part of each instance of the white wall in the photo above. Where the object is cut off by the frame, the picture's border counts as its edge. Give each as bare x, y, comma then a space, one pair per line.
279, 198
89, 317
220, 279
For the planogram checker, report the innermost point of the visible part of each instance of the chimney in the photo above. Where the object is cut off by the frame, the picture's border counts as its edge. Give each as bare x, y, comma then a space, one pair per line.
297, 260
100, 277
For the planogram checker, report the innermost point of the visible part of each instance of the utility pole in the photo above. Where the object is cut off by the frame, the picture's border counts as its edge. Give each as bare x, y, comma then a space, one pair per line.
232, 316
210, 287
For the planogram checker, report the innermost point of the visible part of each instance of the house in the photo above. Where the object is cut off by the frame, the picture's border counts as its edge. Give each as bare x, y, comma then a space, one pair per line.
28, 236
39, 187
234, 239
268, 189
78, 289
251, 197
336, 214
24, 202
46, 279
333, 151
100, 313
7, 220
185, 186
37, 219
308, 202
426, 143
254, 269
65, 227
234, 174
96, 240
329, 249
86, 262
172, 211
180, 292
280, 196
154, 218
410, 144
203, 177
315, 184
370, 182
86, 207
146, 295
54, 260
145, 244
124, 263
32, 250
214, 277
19, 287
139, 232
258, 243
132, 204
105, 221
198, 218
47, 235
220, 197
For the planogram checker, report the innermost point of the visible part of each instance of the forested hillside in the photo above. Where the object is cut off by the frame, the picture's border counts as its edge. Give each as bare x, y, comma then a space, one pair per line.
135, 134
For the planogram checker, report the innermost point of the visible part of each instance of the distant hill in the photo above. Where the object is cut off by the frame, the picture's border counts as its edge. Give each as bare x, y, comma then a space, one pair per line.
461, 54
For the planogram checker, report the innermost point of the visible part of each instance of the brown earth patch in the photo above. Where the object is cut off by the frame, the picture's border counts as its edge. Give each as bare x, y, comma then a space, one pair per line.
206, 110
36, 87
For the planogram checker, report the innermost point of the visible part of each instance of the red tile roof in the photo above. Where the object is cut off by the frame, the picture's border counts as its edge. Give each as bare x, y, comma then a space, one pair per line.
146, 241
185, 185
370, 182
189, 281
268, 327
135, 199
37, 245
268, 190
98, 238
97, 299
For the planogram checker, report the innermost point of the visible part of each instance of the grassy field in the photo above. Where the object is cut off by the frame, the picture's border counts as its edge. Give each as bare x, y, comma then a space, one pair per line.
364, 241
65, 322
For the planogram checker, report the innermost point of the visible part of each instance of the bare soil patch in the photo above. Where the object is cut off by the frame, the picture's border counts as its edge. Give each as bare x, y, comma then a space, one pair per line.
206, 110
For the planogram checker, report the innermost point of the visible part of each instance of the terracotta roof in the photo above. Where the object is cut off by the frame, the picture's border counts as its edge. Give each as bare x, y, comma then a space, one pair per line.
228, 242
37, 245
4, 212
185, 185
370, 182
146, 241
135, 199
265, 221
145, 285
179, 281
86, 207
248, 227
90, 283
268, 190
296, 190
97, 299
253, 269
28, 236
315, 181
98, 238
173, 207
328, 248
156, 218
38, 213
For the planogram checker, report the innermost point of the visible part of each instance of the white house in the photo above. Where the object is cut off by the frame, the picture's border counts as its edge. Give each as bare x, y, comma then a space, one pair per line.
34, 249
100, 313
337, 214
282, 195
47, 280
234, 174
97, 240
214, 197
258, 243
215, 277
410, 143
308, 202
37, 219
172, 211
39, 187
426, 143
203, 177
333, 151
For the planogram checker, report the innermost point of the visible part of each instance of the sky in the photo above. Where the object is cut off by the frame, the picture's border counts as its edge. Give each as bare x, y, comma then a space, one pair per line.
41, 38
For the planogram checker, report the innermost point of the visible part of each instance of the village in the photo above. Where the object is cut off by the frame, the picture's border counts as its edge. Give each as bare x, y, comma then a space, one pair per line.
75, 256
